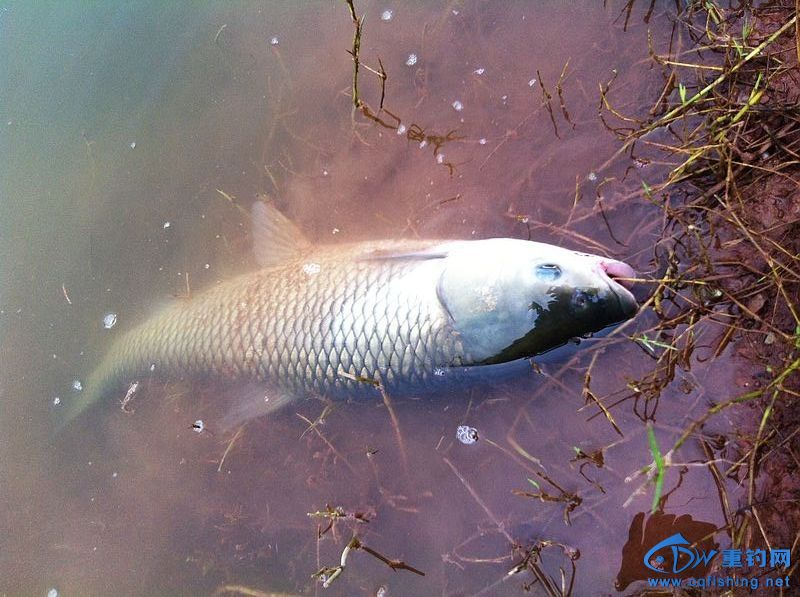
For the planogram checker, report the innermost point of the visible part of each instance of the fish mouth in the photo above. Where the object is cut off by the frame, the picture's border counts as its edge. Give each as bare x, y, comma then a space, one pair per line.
620, 278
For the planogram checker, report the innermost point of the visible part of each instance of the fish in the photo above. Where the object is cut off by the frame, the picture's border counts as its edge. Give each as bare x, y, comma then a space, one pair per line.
336, 320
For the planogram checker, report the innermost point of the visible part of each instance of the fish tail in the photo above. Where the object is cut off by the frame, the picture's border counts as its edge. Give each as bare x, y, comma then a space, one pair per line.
103, 381
127, 359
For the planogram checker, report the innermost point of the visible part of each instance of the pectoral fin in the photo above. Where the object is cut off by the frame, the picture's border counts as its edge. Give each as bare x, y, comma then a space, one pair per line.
251, 401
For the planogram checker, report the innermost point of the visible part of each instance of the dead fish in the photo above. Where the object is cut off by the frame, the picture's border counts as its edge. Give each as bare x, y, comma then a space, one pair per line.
320, 320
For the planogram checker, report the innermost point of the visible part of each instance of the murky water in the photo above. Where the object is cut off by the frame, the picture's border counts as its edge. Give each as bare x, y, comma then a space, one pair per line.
134, 138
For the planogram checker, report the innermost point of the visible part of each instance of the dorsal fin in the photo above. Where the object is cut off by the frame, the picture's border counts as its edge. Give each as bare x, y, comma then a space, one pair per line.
276, 239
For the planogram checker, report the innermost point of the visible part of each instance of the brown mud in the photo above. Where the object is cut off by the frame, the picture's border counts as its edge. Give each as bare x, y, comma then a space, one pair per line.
769, 204
733, 213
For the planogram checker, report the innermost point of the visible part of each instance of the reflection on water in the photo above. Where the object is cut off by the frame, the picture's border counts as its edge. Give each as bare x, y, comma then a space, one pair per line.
134, 138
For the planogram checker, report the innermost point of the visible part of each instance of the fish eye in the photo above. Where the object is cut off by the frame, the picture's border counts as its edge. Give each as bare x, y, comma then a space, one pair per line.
548, 272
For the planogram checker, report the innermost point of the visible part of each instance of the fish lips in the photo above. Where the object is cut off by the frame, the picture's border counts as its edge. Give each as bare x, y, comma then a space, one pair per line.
620, 278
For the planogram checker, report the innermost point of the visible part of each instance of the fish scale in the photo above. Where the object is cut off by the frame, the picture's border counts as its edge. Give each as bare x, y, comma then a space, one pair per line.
297, 331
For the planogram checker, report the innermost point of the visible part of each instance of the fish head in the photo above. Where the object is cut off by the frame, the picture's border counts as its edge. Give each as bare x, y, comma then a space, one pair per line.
510, 299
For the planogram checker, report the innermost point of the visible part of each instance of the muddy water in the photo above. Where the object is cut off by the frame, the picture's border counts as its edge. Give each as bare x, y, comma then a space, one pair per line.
134, 138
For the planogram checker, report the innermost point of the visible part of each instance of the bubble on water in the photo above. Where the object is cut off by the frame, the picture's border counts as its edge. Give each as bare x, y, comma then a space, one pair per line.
467, 435
207, 265
457, 106
592, 177
401, 129
77, 385
411, 60
479, 71
52, 592
273, 41
532, 82
114, 475
56, 401
133, 145
387, 15
109, 320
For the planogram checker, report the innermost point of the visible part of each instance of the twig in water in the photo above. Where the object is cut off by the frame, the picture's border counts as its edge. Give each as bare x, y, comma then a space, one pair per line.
235, 437
328, 574
64, 291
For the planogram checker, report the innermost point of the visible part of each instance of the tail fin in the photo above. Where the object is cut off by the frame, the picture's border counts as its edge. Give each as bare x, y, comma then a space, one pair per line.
99, 384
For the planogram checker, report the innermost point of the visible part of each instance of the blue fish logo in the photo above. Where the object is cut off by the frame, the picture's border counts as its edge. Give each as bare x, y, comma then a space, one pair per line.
683, 558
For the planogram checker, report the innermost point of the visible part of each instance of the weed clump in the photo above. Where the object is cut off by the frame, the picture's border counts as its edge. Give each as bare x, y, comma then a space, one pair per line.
730, 247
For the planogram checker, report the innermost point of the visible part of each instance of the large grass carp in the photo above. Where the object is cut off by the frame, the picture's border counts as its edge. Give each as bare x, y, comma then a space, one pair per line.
319, 320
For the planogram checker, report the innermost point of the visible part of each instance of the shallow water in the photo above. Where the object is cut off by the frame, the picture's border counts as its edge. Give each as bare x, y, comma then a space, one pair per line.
134, 138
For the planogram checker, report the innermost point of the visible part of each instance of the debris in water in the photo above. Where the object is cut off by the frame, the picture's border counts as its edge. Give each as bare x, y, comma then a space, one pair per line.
56, 401
532, 82
64, 291
52, 593
311, 268
198, 426
479, 71
133, 145
387, 15
109, 320
482, 140
129, 396
77, 385
411, 60
273, 41
457, 106
167, 225
467, 435
592, 177
401, 129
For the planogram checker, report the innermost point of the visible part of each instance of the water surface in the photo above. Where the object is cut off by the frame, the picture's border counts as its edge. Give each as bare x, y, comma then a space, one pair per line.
134, 139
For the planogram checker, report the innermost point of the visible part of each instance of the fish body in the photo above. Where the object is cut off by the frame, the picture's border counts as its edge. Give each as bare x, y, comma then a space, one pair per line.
326, 320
